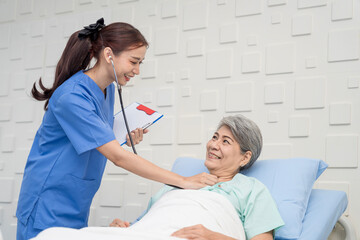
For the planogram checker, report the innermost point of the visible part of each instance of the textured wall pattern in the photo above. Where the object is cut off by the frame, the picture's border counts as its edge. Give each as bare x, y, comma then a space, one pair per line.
290, 65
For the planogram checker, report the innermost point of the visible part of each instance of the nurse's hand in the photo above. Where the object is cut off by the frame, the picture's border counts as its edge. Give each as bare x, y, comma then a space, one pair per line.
119, 223
200, 180
137, 136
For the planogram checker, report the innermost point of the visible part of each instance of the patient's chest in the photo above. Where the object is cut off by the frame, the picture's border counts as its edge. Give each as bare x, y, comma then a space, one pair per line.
237, 191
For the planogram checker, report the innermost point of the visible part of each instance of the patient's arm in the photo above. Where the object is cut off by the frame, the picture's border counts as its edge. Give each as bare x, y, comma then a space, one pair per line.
264, 236
199, 232
119, 223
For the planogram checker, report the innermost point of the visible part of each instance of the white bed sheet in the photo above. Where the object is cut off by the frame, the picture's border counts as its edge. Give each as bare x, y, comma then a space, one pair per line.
175, 210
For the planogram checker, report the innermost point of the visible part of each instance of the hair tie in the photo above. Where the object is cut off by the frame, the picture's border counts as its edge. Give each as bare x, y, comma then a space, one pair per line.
92, 30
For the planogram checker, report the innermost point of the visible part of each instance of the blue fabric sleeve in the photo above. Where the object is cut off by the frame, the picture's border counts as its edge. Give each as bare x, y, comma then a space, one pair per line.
81, 122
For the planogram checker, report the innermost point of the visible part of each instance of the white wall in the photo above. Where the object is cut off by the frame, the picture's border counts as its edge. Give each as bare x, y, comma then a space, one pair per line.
290, 65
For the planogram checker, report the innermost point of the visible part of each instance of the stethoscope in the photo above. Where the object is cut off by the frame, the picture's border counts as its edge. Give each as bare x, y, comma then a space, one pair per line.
123, 112
122, 106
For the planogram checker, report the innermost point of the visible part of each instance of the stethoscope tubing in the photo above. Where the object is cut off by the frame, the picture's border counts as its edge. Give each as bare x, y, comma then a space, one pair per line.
122, 108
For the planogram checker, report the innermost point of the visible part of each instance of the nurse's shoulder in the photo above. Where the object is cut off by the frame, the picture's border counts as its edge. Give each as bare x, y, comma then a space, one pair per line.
73, 86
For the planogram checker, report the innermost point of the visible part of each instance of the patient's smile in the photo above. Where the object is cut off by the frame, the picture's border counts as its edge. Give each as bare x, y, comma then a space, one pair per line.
211, 155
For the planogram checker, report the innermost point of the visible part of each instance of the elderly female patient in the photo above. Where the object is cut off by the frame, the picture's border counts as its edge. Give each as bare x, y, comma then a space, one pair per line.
234, 146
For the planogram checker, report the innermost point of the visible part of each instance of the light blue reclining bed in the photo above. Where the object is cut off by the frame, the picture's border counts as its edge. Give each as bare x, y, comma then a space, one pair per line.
309, 214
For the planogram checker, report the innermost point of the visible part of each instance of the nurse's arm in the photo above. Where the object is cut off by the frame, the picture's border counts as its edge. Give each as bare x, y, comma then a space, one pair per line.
138, 165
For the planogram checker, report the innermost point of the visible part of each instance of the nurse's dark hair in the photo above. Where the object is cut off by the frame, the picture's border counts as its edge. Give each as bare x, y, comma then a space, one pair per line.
247, 134
79, 52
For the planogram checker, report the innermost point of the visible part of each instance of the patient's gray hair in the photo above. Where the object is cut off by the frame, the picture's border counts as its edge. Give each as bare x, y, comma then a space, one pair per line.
246, 133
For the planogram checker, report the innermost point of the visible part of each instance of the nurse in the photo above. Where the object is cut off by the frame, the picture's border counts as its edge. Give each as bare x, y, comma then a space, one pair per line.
71, 147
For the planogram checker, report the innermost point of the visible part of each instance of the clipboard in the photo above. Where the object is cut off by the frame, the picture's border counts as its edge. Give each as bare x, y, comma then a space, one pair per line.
138, 116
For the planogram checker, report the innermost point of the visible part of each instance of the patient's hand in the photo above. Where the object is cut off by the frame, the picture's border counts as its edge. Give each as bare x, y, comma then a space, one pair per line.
200, 180
119, 223
199, 232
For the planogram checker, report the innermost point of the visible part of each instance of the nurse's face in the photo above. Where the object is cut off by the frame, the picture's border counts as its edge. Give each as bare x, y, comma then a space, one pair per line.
224, 156
127, 64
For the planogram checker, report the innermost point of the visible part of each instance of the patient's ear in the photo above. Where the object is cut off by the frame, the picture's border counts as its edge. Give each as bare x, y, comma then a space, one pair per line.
246, 158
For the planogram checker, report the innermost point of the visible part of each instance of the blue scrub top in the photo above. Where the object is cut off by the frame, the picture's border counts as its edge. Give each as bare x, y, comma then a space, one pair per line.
64, 169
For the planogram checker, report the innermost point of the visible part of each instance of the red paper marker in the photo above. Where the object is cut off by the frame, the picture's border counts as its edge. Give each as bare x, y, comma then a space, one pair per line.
147, 110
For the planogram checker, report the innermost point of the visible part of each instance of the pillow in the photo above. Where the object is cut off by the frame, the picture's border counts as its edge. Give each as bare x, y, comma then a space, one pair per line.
289, 181
187, 166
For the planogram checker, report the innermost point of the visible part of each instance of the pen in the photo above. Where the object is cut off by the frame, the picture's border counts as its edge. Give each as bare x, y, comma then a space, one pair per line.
146, 126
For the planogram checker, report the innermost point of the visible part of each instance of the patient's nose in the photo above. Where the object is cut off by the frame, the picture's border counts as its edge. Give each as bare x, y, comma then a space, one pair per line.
214, 144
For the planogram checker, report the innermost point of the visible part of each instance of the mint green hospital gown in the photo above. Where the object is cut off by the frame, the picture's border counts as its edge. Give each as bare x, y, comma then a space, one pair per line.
251, 199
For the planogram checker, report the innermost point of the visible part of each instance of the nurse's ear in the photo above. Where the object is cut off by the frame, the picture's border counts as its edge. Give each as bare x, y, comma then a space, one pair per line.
108, 53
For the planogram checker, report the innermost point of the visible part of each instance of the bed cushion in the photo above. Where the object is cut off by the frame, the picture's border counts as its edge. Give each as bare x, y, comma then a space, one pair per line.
289, 181
324, 209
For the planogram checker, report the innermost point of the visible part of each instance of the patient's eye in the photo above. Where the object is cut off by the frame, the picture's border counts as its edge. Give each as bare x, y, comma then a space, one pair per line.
214, 137
226, 141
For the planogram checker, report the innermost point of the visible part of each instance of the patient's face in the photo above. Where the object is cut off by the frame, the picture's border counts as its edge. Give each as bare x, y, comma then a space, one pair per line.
223, 155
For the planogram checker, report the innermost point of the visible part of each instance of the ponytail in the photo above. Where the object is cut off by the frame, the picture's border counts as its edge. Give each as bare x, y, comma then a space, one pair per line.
75, 57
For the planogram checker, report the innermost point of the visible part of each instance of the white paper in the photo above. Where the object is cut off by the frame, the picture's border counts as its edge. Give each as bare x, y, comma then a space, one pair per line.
135, 118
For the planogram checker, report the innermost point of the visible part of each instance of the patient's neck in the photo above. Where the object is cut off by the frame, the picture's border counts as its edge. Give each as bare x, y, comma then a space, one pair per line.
223, 176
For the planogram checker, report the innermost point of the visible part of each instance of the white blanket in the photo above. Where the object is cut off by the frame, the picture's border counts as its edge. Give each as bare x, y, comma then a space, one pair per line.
175, 210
